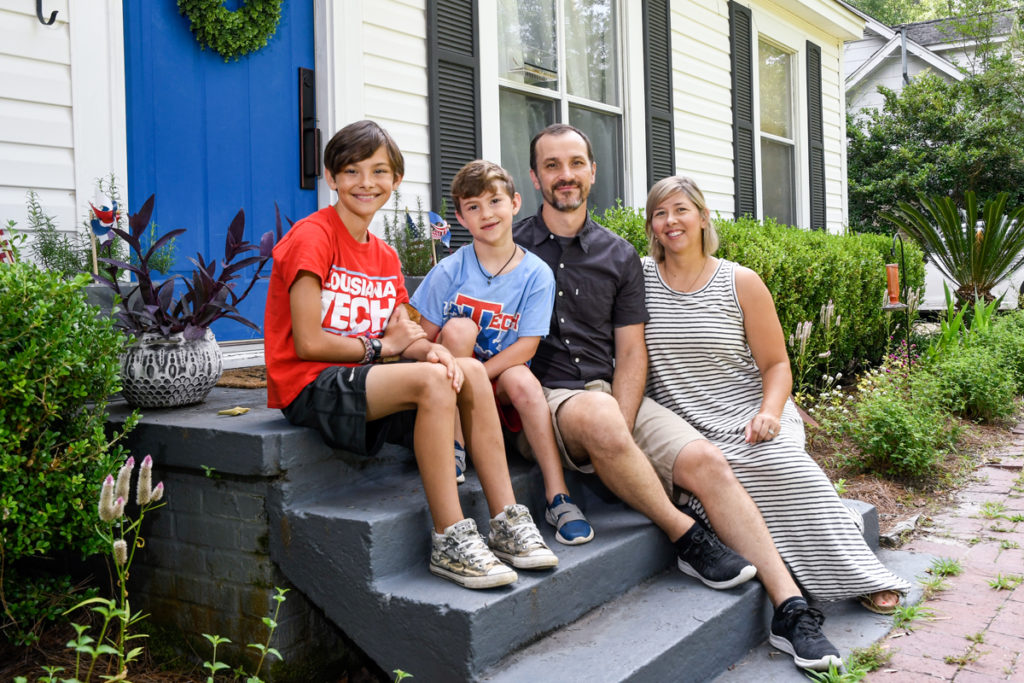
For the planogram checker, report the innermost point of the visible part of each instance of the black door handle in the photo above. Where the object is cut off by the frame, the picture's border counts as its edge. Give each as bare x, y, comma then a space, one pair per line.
309, 134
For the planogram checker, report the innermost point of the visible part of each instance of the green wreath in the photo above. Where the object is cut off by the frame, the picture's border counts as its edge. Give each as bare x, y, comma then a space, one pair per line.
232, 34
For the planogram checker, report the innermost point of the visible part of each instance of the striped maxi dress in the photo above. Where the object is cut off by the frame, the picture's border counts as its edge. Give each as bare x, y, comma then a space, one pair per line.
700, 366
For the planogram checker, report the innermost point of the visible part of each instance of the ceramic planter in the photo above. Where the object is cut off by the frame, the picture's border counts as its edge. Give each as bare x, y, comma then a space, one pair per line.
163, 372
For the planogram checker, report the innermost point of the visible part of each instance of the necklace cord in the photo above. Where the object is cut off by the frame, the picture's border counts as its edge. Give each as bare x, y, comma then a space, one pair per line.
515, 250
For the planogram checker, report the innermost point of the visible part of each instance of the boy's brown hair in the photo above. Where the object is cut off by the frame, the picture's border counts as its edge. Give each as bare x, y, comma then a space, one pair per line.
358, 141
478, 177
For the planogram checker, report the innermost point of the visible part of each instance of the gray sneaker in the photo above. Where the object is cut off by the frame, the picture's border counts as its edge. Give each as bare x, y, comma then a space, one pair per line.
460, 555
516, 540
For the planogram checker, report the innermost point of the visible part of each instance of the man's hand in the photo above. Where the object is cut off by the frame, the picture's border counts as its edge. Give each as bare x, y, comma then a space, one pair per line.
439, 354
399, 333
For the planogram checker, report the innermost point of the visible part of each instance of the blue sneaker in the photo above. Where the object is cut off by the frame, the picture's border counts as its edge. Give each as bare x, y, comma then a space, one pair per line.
460, 463
571, 527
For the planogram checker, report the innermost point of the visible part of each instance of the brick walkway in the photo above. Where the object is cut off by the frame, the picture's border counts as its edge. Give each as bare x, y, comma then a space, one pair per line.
986, 547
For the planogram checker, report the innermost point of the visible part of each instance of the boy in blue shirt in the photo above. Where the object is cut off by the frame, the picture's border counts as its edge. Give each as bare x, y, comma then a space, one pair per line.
492, 300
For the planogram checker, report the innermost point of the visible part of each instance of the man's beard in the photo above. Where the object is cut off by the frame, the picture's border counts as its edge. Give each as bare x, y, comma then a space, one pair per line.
568, 204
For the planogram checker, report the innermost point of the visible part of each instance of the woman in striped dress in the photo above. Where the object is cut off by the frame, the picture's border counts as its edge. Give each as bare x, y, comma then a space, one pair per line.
717, 357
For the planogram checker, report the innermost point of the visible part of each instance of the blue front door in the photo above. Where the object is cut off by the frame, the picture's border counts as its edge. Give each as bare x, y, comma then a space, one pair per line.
211, 137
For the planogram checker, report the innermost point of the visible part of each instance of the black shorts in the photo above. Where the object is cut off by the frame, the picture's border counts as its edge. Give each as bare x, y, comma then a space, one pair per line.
334, 404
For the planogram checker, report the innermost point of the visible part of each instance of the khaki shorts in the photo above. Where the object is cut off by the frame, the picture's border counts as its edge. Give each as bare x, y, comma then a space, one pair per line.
659, 432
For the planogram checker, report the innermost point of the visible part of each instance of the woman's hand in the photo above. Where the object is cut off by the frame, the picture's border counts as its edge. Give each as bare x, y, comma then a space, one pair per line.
764, 427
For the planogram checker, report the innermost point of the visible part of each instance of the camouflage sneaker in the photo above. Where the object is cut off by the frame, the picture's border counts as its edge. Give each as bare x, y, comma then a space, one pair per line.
460, 555
516, 540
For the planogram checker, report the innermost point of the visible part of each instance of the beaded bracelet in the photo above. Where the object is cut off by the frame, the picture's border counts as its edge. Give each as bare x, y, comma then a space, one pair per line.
367, 350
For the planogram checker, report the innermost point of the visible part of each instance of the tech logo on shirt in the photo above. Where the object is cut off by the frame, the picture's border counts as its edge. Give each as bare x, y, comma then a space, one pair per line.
352, 303
488, 316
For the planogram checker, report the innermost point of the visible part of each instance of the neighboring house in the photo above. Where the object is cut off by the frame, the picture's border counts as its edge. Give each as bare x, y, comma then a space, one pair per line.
890, 56
747, 97
885, 54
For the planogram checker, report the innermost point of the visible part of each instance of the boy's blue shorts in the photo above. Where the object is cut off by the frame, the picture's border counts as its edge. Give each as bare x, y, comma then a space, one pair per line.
334, 404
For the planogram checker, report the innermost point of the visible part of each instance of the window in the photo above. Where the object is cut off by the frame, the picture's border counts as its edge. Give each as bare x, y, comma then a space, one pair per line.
777, 128
558, 60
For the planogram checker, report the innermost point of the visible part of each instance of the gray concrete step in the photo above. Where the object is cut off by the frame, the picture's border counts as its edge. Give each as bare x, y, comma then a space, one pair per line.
373, 543
353, 534
371, 538
670, 628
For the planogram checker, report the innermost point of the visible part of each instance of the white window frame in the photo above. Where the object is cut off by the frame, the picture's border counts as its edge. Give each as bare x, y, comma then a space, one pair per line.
787, 38
631, 93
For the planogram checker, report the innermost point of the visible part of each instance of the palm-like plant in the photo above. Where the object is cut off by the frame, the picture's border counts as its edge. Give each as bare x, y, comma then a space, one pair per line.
976, 252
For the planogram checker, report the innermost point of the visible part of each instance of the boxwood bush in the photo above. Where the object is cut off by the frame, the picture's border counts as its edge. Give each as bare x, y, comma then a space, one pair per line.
804, 270
58, 366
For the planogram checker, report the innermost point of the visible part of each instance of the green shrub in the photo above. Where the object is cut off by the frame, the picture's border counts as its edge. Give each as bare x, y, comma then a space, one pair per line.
52, 249
901, 424
1007, 336
804, 270
58, 366
626, 222
976, 380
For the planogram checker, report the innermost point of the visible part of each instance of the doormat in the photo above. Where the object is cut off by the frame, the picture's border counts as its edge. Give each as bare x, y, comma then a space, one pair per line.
244, 378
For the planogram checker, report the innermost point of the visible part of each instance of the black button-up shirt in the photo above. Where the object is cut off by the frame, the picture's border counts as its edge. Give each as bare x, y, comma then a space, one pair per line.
599, 285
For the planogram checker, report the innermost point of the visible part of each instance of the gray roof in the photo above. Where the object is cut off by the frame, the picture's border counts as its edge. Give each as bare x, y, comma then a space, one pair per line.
939, 31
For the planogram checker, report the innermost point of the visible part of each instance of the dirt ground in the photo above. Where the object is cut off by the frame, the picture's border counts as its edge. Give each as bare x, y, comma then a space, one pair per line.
896, 502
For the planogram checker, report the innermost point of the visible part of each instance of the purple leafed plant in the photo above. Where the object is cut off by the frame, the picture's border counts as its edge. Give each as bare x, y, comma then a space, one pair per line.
148, 306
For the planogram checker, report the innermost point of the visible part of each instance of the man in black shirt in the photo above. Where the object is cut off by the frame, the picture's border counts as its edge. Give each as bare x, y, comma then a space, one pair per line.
593, 366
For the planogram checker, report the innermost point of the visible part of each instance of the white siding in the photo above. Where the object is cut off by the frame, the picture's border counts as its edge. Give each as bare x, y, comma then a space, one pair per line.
36, 139
702, 93
388, 83
856, 52
61, 106
888, 73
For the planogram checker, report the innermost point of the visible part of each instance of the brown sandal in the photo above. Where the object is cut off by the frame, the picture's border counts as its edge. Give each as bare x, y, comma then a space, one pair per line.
870, 604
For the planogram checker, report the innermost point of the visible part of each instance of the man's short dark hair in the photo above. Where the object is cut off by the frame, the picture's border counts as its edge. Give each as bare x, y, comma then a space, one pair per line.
358, 141
558, 129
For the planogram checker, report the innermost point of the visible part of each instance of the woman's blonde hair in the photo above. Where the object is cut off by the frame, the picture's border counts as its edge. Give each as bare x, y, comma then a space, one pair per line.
662, 190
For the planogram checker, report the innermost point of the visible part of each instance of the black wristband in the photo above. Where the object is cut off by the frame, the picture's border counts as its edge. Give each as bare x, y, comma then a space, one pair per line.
367, 350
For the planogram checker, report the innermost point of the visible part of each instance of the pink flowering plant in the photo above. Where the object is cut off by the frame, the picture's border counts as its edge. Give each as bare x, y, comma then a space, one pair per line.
120, 534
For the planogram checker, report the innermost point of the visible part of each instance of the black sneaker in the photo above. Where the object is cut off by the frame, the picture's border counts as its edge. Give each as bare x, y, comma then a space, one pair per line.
703, 556
796, 630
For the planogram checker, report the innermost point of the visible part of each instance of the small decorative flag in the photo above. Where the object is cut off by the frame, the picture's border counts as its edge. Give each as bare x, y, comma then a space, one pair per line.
102, 221
410, 227
439, 229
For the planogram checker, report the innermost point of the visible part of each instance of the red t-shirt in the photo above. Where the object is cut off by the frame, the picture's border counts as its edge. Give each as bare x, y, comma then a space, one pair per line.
360, 285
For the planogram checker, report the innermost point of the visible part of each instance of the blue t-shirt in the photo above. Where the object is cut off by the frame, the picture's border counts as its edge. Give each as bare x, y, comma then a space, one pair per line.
515, 304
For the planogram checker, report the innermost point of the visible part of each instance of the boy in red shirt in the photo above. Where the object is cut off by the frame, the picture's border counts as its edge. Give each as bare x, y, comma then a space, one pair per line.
333, 311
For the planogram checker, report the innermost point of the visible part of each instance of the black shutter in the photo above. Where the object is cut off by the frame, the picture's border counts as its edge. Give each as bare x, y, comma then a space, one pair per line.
454, 76
658, 83
743, 134
815, 137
